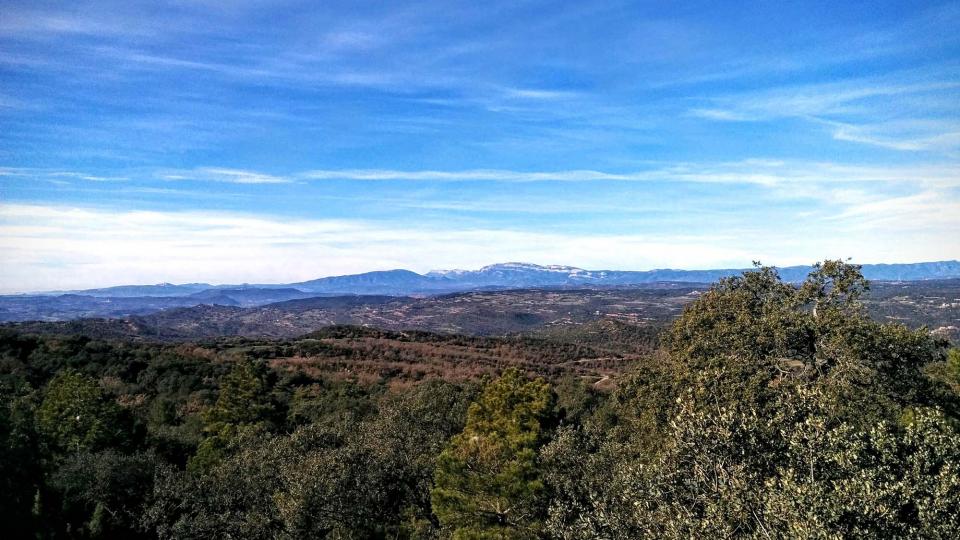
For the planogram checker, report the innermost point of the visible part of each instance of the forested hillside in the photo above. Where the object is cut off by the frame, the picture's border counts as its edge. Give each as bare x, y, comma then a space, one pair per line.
765, 410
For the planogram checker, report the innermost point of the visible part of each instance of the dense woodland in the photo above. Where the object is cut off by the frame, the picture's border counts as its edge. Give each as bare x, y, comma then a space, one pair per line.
765, 410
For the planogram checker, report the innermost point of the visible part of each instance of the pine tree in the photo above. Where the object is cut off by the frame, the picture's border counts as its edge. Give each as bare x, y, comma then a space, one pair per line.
487, 481
239, 411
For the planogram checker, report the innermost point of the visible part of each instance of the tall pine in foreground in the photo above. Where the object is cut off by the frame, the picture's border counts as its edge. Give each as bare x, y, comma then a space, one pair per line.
487, 483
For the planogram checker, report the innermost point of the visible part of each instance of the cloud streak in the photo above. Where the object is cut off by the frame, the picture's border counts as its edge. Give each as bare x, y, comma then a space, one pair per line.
766, 172
864, 111
227, 175
753, 171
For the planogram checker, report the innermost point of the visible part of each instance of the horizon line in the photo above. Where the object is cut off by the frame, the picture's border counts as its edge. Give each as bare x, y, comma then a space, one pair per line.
427, 274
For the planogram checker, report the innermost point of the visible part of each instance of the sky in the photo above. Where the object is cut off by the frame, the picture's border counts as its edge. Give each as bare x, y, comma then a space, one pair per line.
278, 141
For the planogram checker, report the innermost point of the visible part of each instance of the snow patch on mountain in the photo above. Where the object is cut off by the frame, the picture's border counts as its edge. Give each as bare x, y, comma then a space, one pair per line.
456, 272
530, 267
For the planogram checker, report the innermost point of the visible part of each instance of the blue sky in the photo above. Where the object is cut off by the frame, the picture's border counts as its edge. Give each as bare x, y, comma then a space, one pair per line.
276, 141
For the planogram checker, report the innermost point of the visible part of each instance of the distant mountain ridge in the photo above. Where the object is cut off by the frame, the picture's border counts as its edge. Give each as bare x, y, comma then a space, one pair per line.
126, 300
931, 303
514, 275
508, 275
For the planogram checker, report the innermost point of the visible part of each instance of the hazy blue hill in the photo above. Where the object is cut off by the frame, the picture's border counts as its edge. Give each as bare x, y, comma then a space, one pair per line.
338, 302
74, 306
248, 296
913, 271
380, 282
127, 291
127, 300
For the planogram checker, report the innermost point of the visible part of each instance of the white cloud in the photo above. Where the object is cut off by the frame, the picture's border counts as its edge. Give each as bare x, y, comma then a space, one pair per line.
52, 175
220, 174
85, 176
750, 171
498, 175
59, 247
918, 137
725, 115
762, 172
35, 23
538, 94
901, 111
816, 99
930, 210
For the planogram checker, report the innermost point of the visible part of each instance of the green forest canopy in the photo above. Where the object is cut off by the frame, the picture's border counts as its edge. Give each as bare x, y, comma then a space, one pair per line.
769, 410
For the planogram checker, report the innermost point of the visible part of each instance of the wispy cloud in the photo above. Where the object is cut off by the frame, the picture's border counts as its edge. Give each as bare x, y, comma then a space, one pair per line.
865, 111
725, 115
35, 23
85, 176
927, 210
751, 171
814, 99
754, 171
219, 174
910, 136
538, 94
54, 175
497, 175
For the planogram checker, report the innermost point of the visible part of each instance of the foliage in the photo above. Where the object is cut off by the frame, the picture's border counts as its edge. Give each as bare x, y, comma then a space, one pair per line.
887, 481
240, 411
20, 468
104, 492
487, 482
367, 479
794, 415
769, 410
75, 414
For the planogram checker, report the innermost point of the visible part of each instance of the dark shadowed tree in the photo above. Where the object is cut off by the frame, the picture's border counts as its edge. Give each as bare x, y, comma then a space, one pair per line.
20, 465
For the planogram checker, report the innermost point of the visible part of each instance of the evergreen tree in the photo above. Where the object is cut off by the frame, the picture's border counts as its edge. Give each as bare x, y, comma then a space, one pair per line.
240, 410
75, 415
20, 472
487, 481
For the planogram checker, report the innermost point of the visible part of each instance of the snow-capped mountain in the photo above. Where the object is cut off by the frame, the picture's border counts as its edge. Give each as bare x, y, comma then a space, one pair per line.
512, 275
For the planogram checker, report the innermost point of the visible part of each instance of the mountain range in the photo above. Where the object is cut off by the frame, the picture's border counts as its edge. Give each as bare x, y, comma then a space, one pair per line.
570, 311
143, 299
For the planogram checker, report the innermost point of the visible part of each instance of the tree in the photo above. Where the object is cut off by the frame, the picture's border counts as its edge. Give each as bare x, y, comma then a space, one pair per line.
794, 415
953, 368
888, 481
75, 415
242, 398
240, 410
233, 498
20, 471
101, 494
487, 482
345, 479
